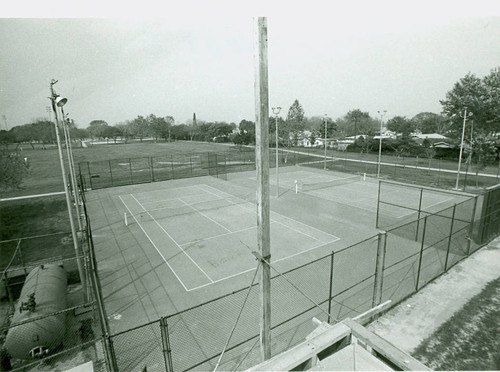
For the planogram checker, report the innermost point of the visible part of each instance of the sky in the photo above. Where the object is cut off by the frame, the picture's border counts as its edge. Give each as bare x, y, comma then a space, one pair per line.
115, 61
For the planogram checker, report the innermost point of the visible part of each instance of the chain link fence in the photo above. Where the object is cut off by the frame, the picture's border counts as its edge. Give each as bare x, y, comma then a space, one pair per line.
52, 317
329, 288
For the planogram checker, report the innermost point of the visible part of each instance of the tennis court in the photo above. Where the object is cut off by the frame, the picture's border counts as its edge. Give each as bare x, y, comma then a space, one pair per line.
167, 246
206, 235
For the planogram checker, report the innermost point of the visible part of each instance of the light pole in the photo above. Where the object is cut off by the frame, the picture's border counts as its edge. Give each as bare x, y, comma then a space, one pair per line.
462, 146
276, 111
381, 113
59, 102
326, 127
71, 166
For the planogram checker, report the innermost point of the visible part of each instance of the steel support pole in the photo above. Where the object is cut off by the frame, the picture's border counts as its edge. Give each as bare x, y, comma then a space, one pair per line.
81, 271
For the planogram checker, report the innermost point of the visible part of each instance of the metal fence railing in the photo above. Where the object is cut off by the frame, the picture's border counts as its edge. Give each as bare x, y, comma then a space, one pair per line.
440, 173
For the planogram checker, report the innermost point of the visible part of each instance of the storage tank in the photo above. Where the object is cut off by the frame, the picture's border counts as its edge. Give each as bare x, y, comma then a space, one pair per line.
43, 292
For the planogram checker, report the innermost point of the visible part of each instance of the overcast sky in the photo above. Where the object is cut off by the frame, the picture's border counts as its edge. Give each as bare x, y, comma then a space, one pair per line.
197, 56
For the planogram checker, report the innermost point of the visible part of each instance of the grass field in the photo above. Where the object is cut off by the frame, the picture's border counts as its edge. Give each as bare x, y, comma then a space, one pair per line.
470, 339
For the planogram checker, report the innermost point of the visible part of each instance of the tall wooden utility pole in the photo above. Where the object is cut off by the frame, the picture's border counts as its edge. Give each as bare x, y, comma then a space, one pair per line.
262, 165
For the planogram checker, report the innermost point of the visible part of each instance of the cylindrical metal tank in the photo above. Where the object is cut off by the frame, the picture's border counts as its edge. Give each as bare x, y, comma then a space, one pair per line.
44, 292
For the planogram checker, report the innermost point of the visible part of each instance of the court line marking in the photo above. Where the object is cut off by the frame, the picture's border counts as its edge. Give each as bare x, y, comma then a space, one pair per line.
237, 204
154, 245
177, 244
272, 262
152, 191
204, 215
272, 212
217, 236
423, 209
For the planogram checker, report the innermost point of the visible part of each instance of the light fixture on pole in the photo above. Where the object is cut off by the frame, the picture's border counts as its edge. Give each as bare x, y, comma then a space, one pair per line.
381, 113
326, 127
462, 146
59, 102
276, 111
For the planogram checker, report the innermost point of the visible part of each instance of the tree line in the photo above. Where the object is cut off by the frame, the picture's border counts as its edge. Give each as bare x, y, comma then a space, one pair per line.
479, 95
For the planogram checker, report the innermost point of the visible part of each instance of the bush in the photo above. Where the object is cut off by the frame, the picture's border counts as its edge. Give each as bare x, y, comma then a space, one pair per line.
13, 169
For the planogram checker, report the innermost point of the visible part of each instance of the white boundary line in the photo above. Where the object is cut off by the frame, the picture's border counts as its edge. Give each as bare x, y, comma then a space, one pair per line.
272, 262
229, 233
204, 215
177, 244
272, 212
423, 209
154, 245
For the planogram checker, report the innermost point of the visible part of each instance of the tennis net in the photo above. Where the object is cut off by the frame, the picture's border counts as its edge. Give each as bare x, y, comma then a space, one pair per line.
303, 186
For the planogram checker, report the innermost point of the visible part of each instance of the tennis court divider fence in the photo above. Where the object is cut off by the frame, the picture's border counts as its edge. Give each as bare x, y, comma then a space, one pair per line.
328, 288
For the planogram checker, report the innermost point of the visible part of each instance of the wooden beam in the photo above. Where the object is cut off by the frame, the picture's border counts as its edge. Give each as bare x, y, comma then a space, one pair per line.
305, 351
396, 356
262, 166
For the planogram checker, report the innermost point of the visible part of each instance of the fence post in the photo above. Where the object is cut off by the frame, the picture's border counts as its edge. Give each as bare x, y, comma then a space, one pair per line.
151, 169
471, 227
449, 238
110, 172
332, 261
419, 210
172, 165
191, 164
439, 171
379, 268
165, 340
130, 168
378, 204
90, 175
421, 254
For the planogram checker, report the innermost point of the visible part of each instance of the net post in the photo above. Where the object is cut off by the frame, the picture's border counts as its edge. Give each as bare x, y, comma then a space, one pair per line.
379, 268
125, 216
296, 187
449, 238
421, 255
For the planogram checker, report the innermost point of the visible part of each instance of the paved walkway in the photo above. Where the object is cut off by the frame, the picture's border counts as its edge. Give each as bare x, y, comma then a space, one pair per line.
32, 196
415, 319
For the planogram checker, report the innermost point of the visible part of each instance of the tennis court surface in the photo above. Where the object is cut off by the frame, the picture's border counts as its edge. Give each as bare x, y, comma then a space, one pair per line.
166, 246
206, 235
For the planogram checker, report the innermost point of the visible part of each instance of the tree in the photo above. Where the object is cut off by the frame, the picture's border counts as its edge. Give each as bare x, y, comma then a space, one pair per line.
13, 169
357, 122
112, 132
7, 137
400, 124
492, 85
471, 93
428, 122
482, 151
139, 127
160, 127
331, 129
295, 123
96, 128
179, 132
